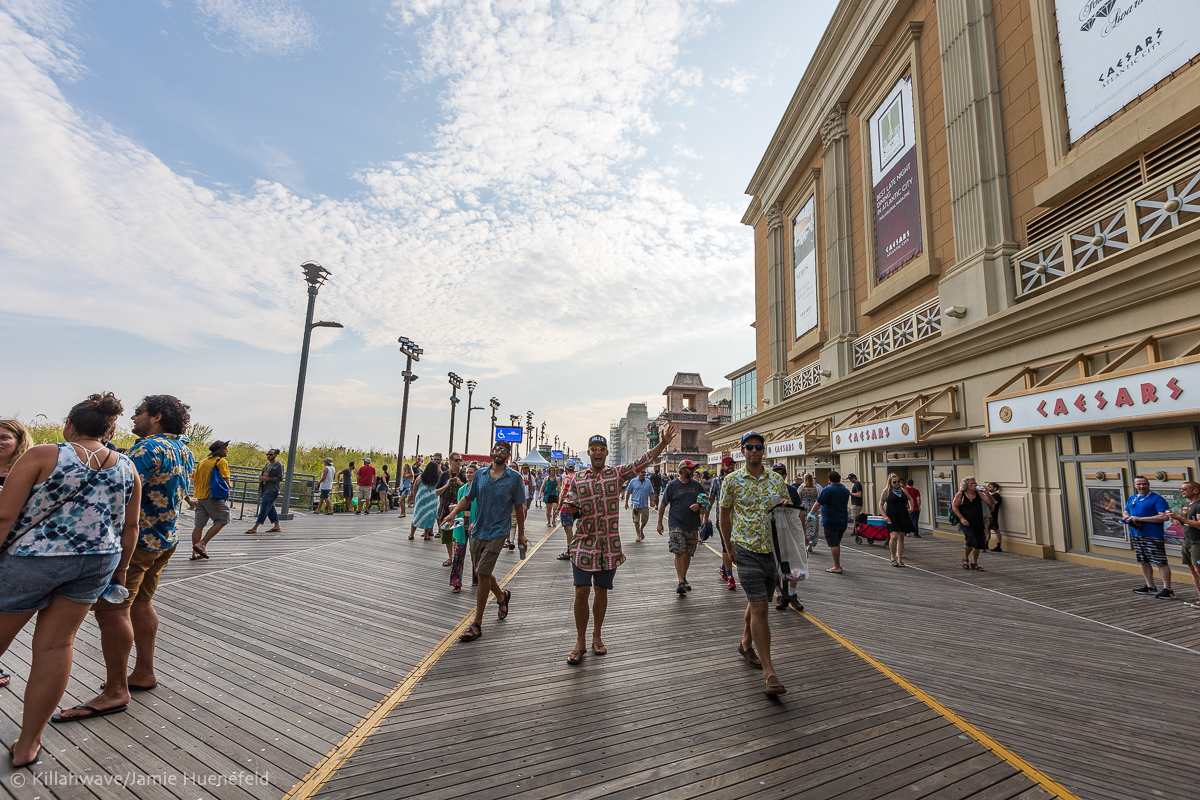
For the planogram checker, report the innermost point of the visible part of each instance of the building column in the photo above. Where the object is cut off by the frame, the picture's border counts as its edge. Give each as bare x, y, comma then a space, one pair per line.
837, 356
981, 281
776, 304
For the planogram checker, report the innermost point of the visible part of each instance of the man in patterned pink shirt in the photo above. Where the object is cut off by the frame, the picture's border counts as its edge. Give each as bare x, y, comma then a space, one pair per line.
595, 494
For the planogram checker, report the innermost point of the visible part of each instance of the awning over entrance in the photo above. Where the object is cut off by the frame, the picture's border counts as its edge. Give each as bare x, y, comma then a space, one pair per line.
800, 440
896, 422
1095, 388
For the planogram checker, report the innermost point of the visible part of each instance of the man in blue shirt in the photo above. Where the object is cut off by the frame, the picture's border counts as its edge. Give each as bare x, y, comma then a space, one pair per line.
832, 504
639, 490
497, 492
1145, 514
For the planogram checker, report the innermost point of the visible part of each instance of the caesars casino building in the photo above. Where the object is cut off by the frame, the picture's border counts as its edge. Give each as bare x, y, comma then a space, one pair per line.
977, 252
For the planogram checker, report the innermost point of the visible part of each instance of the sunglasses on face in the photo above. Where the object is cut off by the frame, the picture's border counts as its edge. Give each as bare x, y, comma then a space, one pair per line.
753, 447
597, 448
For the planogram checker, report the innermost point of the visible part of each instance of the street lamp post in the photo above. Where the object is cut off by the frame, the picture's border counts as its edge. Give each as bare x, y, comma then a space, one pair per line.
529, 431
470, 394
455, 384
410, 349
315, 275
495, 404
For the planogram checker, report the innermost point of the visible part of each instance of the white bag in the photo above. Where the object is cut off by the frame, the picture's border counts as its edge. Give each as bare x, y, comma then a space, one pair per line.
790, 544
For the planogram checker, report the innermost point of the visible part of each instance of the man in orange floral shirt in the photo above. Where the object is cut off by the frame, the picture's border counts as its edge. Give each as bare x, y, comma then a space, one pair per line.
595, 494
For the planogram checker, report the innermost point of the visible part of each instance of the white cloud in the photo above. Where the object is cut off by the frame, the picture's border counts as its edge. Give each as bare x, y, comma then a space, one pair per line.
271, 27
533, 193
737, 81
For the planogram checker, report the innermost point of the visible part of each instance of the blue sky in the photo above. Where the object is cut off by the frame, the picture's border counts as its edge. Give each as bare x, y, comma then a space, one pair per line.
545, 195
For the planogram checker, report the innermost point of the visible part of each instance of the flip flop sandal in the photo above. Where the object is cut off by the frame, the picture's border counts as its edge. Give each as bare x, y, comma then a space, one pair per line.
135, 687
96, 712
446, 563
833, 571
751, 657
576, 657
5, 679
28, 763
472, 633
599, 649
502, 608
198, 553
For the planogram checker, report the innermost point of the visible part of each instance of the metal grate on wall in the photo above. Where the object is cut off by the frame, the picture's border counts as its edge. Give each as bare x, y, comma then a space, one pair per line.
1147, 168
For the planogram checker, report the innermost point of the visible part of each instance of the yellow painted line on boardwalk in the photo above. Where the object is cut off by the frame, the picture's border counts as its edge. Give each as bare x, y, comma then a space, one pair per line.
319, 775
1030, 771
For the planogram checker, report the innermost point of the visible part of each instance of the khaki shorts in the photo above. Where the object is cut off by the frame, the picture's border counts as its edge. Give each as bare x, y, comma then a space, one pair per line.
145, 568
1191, 554
211, 509
484, 553
641, 515
364, 496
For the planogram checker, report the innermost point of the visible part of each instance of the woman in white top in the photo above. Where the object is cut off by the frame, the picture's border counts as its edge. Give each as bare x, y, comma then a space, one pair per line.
69, 523
325, 484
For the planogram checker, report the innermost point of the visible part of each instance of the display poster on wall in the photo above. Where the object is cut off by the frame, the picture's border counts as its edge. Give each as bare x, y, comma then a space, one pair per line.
1114, 50
894, 178
804, 278
1173, 531
1106, 508
944, 494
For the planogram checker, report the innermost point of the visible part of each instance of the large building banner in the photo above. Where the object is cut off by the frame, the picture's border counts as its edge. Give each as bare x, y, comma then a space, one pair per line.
1114, 50
894, 178
804, 278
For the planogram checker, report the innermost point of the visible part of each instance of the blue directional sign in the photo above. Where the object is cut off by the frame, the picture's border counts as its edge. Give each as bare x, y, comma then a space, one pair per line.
556, 454
508, 434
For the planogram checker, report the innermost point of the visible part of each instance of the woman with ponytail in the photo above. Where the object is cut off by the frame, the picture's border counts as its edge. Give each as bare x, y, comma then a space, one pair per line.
69, 525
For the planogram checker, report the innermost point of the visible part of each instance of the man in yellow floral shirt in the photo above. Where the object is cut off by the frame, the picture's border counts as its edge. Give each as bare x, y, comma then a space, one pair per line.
747, 496
165, 463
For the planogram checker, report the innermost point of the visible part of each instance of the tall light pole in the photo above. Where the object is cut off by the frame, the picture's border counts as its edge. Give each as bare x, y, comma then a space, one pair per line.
455, 384
529, 431
470, 407
315, 275
410, 349
495, 404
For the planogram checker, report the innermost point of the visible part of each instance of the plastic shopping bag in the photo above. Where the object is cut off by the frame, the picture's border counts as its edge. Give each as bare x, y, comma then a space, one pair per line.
791, 551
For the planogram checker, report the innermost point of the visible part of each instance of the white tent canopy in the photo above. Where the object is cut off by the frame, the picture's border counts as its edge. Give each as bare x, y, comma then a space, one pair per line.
534, 459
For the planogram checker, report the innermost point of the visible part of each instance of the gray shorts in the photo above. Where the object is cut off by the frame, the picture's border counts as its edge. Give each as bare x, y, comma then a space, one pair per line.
30, 582
641, 515
681, 542
1191, 554
757, 573
211, 509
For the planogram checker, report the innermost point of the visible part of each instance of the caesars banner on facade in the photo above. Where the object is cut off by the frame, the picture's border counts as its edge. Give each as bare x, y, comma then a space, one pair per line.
1113, 50
804, 250
894, 178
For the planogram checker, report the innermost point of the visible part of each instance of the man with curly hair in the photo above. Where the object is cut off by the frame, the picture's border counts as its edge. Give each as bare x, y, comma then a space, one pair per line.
165, 463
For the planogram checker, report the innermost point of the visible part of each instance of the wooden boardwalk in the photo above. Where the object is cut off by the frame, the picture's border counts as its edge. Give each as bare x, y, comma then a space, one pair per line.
269, 659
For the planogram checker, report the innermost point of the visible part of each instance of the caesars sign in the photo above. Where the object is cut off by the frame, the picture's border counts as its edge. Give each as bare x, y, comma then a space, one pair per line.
1134, 394
894, 179
894, 430
1114, 50
804, 278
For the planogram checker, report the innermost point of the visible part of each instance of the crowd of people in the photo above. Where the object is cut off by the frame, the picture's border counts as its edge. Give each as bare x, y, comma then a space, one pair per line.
87, 528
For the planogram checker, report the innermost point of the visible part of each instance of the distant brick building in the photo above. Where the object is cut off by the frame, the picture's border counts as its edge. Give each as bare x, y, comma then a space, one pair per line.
688, 408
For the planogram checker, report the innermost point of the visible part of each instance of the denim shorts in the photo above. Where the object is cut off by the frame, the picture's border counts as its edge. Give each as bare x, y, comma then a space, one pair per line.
601, 579
27, 583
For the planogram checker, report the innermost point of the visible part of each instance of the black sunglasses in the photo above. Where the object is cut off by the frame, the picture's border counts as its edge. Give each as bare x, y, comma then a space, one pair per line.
752, 447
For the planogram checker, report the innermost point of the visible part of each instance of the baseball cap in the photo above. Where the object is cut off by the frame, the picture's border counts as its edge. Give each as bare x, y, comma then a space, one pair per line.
366, 461
597, 439
329, 461
688, 464
570, 466
850, 476
780, 468
727, 461
753, 435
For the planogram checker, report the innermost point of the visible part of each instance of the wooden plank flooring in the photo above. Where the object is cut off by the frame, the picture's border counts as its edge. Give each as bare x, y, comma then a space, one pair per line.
273, 650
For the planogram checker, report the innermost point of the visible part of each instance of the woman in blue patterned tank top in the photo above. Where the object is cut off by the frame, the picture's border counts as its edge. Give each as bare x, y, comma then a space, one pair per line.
69, 525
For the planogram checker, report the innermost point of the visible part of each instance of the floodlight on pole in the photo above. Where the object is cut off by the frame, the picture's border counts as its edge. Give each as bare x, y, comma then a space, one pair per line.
315, 276
495, 404
412, 351
455, 384
470, 407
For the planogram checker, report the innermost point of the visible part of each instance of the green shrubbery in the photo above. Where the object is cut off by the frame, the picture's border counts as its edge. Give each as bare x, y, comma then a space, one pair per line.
244, 454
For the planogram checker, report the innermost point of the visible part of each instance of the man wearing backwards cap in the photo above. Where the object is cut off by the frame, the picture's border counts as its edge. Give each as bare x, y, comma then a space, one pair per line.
746, 500
595, 493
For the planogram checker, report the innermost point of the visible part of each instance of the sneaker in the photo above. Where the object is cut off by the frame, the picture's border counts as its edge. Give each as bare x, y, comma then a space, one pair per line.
1145, 590
732, 585
1165, 594
681, 589
781, 602
724, 574
917, 535
997, 549
687, 585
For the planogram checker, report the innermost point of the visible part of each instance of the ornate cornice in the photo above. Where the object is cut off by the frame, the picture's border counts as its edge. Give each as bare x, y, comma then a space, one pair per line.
834, 127
775, 216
